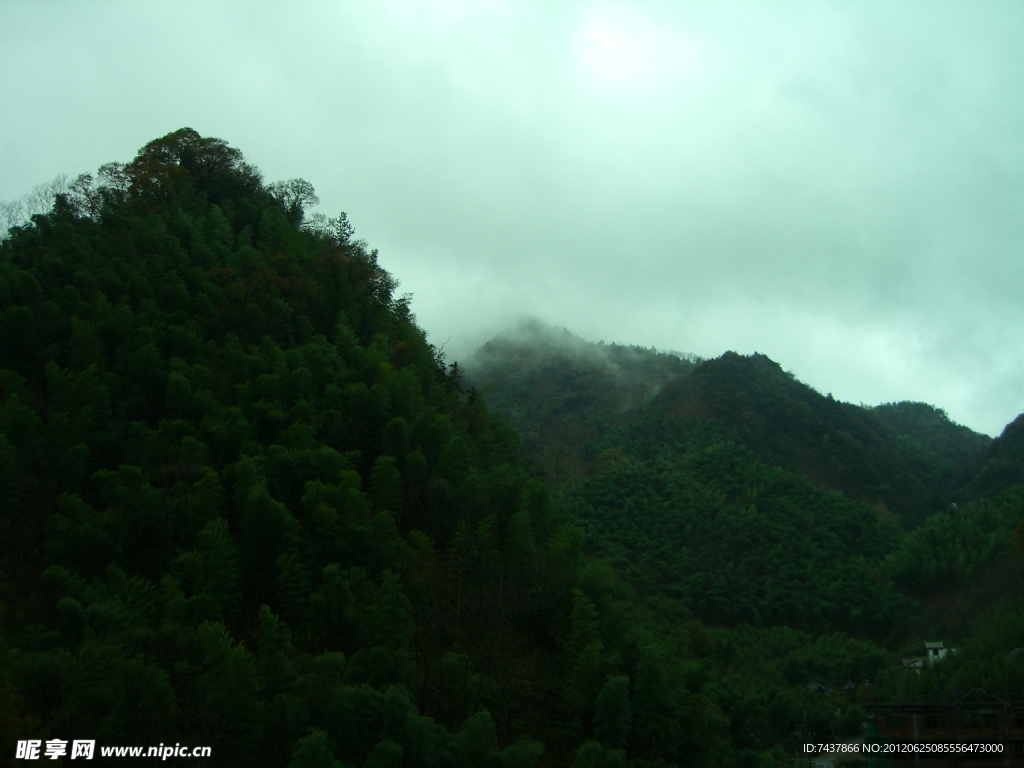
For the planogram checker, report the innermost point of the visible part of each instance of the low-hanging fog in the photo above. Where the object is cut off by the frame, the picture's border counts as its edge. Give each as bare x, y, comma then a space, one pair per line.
838, 186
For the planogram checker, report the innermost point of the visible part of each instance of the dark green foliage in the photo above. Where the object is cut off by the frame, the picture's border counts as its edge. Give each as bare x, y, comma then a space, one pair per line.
865, 453
387, 754
928, 430
987, 653
563, 393
566, 395
998, 468
213, 570
696, 519
223, 692
313, 751
613, 716
953, 546
386, 485
233, 472
701, 483
247, 505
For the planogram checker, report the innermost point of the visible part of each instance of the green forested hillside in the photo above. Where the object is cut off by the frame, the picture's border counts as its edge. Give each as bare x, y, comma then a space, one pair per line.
692, 516
905, 455
738, 501
245, 504
930, 428
868, 456
563, 394
999, 467
681, 493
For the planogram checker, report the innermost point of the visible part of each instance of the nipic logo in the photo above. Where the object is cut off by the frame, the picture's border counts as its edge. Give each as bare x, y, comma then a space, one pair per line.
57, 748
29, 750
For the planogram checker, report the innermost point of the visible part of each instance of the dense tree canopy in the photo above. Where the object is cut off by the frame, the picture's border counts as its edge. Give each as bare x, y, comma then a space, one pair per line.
239, 483
246, 504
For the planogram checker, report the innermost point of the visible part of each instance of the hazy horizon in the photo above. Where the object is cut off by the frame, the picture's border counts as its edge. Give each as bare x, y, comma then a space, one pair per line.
838, 187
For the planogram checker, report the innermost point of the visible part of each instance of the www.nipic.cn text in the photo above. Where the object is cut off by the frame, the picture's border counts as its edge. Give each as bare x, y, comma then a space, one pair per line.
35, 749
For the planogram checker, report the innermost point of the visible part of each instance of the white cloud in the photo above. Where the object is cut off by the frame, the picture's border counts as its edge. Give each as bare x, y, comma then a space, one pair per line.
622, 47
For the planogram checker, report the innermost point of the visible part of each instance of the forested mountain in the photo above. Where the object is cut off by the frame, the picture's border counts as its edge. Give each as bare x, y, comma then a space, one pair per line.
725, 491
997, 468
903, 455
246, 504
931, 429
842, 446
562, 393
697, 520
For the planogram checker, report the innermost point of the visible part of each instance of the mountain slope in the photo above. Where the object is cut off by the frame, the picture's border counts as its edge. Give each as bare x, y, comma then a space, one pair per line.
245, 504
856, 450
931, 428
563, 395
998, 468
696, 487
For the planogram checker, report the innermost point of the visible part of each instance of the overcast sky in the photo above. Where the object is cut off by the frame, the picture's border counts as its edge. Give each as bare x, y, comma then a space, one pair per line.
839, 186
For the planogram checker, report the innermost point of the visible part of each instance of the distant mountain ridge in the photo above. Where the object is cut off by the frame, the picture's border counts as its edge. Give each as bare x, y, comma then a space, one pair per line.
997, 468
904, 455
563, 393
